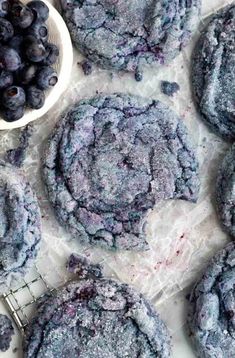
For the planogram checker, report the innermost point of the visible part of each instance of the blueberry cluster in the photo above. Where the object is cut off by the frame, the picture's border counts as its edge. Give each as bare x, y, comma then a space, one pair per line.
26, 57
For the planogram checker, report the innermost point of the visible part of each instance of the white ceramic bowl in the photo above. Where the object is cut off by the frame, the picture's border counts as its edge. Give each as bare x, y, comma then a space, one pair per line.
59, 35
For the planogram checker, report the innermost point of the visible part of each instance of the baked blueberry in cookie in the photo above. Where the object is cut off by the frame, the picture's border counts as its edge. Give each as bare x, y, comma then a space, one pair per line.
96, 317
125, 35
20, 226
213, 75
212, 308
225, 192
109, 160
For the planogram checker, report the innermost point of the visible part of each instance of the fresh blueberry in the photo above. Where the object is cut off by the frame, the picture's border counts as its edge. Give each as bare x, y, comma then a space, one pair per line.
34, 49
52, 54
6, 79
16, 74
9, 59
27, 74
13, 97
21, 15
6, 30
35, 97
4, 8
10, 115
16, 42
47, 77
39, 30
40, 9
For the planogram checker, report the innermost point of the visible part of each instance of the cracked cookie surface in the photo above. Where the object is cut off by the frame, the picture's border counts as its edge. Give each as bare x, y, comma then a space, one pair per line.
96, 318
124, 35
213, 74
225, 192
109, 160
20, 226
212, 308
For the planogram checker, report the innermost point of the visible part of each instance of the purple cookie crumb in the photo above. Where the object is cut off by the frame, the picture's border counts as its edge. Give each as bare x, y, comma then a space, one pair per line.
169, 88
87, 67
138, 75
6, 333
17, 155
82, 267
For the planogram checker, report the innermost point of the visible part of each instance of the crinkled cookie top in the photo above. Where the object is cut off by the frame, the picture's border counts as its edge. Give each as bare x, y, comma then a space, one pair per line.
109, 160
20, 228
123, 35
225, 191
96, 318
212, 311
213, 73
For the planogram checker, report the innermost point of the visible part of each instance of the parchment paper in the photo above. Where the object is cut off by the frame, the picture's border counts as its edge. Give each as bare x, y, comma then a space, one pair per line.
182, 235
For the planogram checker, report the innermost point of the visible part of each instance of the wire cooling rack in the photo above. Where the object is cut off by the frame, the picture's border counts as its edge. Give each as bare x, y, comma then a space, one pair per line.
21, 301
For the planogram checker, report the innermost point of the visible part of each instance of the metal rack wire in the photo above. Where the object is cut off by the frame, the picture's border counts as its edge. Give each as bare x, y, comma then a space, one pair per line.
21, 312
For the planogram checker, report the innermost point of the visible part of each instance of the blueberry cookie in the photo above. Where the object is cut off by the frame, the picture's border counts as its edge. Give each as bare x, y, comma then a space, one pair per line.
213, 73
96, 318
225, 192
6, 333
20, 226
124, 35
109, 160
212, 311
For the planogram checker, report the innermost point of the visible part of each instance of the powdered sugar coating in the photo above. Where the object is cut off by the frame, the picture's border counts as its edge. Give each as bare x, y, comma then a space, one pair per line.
20, 226
109, 160
123, 35
212, 311
213, 73
225, 193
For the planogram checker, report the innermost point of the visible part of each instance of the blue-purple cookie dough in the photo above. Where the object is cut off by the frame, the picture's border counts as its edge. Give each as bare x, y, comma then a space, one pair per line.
109, 160
225, 192
20, 226
125, 35
6, 333
212, 308
213, 75
99, 318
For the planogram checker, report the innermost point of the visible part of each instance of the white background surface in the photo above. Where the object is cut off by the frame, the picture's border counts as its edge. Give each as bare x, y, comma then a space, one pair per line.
182, 236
